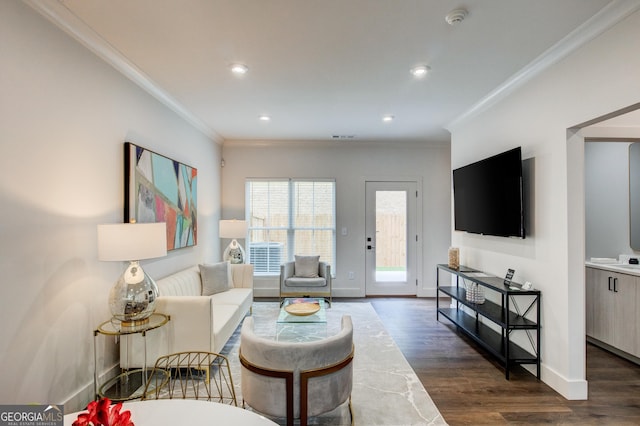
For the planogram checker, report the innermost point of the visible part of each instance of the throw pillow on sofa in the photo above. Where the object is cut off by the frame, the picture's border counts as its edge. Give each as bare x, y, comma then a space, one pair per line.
216, 278
306, 266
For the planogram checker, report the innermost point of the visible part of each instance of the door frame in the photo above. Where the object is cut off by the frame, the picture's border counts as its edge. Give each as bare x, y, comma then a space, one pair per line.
419, 226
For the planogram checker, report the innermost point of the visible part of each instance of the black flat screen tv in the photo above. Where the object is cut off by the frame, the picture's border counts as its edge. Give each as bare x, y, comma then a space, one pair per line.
488, 196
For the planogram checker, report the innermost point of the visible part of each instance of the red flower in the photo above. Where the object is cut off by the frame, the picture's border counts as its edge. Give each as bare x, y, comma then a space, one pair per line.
100, 413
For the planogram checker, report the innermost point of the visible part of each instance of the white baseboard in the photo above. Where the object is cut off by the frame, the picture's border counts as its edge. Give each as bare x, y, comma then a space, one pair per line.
348, 292
78, 401
573, 390
428, 292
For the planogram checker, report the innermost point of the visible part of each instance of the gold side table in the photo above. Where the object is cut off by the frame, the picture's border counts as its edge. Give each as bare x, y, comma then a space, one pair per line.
129, 384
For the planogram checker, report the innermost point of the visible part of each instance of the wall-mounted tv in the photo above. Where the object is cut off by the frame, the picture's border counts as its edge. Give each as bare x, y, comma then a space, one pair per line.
488, 196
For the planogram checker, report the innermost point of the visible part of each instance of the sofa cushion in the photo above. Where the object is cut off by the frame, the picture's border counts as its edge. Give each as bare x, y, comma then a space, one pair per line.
182, 283
305, 282
306, 266
216, 278
242, 297
225, 321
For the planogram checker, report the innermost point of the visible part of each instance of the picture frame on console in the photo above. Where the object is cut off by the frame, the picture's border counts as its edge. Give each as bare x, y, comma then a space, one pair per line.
160, 189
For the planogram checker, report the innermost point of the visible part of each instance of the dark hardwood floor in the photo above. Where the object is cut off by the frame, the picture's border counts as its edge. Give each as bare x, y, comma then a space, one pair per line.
469, 388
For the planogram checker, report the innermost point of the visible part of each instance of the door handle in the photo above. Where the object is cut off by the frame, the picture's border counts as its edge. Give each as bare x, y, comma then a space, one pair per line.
610, 283
370, 245
615, 285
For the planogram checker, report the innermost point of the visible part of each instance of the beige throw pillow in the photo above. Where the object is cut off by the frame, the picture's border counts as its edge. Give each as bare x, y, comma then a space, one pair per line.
306, 266
216, 278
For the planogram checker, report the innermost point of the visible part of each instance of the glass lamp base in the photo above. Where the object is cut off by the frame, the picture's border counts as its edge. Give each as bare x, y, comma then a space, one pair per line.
234, 253
133, 297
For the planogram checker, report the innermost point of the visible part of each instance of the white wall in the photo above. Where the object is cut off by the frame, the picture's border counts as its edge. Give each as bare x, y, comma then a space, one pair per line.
351, 164
64, 116
599, 78
607, 199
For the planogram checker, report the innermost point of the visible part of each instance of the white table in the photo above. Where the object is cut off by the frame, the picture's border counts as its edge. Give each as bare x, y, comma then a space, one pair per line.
171, 412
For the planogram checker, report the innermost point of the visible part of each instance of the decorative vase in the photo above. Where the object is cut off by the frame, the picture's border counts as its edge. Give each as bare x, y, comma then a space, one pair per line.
454, 258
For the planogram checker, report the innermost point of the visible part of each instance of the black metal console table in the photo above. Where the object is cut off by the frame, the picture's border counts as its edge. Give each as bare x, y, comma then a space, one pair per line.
502, 312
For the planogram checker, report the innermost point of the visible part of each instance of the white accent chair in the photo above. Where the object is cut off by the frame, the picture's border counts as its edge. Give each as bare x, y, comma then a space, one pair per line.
294, 285
296, 380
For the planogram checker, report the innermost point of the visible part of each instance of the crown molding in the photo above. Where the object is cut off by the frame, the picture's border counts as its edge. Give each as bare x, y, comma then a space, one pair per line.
606, 18
67, 21
357, 144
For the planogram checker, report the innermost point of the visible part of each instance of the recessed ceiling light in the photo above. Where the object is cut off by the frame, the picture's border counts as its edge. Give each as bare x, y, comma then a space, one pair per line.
239, 69
264, 117
388, 118
420, 71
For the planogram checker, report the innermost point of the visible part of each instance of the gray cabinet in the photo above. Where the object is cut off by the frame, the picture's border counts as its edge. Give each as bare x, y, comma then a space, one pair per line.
612, 309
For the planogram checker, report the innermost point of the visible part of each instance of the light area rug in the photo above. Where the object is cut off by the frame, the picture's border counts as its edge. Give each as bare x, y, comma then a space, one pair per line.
386, 390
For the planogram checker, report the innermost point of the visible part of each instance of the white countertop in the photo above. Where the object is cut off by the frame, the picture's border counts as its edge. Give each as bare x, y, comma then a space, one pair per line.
623, 268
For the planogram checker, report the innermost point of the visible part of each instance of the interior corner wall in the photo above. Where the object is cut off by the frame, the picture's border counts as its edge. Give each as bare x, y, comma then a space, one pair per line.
599, 78
351, 164
65, 115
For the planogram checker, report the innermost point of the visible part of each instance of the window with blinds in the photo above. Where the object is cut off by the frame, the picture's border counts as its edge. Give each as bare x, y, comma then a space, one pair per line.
287, 217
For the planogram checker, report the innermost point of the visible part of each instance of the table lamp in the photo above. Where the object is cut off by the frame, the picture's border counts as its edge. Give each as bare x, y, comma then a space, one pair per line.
133, 297
234, 252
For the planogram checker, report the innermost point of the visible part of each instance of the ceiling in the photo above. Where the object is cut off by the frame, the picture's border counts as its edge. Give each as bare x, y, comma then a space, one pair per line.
328, 69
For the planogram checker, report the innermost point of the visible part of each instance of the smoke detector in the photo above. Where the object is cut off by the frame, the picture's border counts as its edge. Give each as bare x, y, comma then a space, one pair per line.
456, 16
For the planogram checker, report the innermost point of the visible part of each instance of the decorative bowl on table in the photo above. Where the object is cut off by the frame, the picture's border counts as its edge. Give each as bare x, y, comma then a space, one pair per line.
302, 309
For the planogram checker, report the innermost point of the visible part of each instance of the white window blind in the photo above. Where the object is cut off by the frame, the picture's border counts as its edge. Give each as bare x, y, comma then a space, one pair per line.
288, 217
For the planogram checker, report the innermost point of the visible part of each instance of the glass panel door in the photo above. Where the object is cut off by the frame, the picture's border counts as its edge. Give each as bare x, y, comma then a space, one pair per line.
391, 239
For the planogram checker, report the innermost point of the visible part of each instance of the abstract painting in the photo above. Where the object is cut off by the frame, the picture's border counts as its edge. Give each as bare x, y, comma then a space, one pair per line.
159, 189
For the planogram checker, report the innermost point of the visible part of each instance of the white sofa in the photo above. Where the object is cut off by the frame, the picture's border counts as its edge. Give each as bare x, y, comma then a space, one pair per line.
198, 323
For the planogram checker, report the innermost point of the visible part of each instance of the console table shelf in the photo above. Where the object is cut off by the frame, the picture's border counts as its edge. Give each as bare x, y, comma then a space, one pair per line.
468, 316
490, 310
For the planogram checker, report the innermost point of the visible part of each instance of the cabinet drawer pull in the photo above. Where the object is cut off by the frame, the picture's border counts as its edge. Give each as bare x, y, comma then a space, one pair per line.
615, 285
610, 283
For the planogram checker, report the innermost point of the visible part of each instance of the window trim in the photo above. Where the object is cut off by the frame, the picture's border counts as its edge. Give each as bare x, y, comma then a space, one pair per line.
291, 228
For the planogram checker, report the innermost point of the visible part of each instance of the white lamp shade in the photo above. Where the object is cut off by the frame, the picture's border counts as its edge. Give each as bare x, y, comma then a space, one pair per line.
132, 241
233, 228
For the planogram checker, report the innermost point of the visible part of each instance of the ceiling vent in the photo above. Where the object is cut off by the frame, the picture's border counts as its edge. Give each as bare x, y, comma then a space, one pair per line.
456, 16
